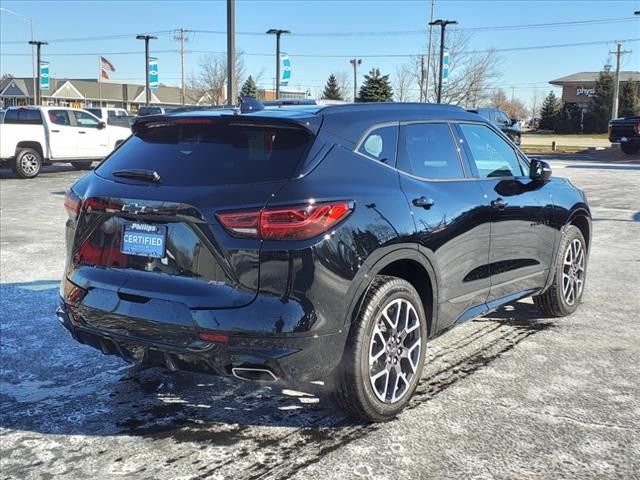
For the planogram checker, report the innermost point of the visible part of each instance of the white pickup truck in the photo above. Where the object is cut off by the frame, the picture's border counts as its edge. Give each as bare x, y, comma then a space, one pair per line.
33, 136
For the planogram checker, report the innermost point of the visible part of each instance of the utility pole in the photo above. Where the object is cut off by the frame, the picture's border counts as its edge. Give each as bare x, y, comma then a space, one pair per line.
181, 36
421, 78
33, 61
146, 39
426, 87
355, 62
231, 52
277, 32
616, 81
38, 44
443, 25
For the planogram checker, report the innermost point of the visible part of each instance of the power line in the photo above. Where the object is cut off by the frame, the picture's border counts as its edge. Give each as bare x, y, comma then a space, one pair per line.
99, 37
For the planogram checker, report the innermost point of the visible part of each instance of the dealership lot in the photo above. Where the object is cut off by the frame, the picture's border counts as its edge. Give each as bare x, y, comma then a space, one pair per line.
513, 395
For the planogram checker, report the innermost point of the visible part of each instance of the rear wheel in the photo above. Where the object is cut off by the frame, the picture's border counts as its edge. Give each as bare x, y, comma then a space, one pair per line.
565, 293
81, 165
27, 163
383, 360
630, 148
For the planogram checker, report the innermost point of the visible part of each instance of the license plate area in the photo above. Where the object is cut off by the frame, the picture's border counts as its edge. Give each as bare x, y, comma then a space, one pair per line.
144, 240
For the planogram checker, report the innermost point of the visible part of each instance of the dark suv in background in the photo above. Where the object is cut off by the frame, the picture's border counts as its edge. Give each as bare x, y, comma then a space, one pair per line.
509, 126
314, 243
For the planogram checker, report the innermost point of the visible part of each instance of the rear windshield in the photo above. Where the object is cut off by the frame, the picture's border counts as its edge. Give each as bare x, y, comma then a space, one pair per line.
23, 116
211, 154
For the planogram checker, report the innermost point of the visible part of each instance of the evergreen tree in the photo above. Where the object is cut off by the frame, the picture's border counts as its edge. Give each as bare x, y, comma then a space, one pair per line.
628, 100
568, 119
376, 88
332, 89
249, 88
549, 112
596, 119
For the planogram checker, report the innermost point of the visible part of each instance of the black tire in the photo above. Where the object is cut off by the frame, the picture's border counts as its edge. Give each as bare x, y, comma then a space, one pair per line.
81, 165
555, 301
630, 148
27, 163
352, 385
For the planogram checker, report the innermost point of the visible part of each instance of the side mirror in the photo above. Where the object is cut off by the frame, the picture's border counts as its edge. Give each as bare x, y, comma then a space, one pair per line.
539, 170
102, 125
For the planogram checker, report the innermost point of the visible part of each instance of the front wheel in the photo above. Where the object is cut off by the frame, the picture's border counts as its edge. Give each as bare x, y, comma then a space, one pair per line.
27, 163
385, 352
630, 148
565, 293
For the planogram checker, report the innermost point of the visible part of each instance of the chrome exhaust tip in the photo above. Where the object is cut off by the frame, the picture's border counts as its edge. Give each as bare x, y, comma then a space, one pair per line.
254, 374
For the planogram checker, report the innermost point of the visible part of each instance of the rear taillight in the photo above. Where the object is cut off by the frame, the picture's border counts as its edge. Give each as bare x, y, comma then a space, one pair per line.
72, 204
637, 128
298, 222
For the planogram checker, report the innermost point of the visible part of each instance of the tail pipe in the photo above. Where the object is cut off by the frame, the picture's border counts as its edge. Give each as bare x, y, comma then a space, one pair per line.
254, 374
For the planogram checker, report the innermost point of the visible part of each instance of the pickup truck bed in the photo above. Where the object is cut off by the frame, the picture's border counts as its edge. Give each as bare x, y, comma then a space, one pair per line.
626, 132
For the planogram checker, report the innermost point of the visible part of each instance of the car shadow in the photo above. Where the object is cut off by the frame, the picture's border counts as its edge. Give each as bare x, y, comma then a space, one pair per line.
46, 171
52, 385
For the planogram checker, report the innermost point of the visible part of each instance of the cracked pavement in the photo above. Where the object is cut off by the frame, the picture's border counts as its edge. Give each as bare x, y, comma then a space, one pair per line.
511, 395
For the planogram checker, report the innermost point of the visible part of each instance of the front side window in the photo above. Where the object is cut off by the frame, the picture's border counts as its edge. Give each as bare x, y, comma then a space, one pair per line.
85, 120
381, 144
59, 117
427, 150
492, 155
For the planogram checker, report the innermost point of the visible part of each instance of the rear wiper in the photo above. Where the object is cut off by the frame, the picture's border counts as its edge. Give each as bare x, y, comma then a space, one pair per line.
150, 175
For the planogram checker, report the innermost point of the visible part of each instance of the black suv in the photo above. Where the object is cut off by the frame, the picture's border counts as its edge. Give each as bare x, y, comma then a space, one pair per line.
309, 243
510, 127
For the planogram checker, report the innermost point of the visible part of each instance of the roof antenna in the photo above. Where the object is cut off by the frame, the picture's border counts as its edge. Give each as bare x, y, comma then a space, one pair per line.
249, 104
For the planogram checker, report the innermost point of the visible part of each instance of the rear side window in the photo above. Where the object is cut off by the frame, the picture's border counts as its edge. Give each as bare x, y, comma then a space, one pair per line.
23, 116
94, 111
212, 154
59, 117
493, 156
427, 150
381, 143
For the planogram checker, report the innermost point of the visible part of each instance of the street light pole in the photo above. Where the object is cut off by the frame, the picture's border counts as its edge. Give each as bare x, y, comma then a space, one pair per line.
33, 63
443, 25
424, 89
355, 62
146, 39
231, 52
38, 44
277, 32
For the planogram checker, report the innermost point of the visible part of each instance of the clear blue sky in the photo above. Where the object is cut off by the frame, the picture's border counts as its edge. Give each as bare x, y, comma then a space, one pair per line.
523, 70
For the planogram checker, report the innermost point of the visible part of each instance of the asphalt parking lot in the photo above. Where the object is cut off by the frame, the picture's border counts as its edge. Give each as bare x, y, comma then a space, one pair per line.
510, 396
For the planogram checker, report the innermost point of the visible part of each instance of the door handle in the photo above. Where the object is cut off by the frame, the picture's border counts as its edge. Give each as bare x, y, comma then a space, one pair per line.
423, 202
82, 131
55, 131
499, 203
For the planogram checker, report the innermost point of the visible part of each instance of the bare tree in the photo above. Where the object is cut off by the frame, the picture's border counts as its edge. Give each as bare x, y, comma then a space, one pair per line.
402, 82
212, 80
535, 103
513, 108
344, 82
470, 73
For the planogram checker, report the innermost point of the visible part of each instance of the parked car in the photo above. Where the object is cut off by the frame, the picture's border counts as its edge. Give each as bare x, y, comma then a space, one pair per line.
33, 136
314, 243
510, 126
626, 132
112, 116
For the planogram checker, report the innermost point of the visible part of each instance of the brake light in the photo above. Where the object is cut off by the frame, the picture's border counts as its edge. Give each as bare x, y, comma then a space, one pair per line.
213, 337
72, 204
298, 222
637, 128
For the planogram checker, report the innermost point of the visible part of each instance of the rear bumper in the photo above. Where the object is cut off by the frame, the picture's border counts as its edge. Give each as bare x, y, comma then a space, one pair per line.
287, 358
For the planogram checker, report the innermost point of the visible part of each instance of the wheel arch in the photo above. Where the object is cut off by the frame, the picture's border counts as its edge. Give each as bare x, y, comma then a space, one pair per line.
30, 144
581, 218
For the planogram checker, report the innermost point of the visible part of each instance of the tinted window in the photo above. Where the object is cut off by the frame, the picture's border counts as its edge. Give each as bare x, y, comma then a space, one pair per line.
85, 120
149, 111
59, 117
23, 116
381, 144
206, 154
492, 156
502, 118
94, 111
427, 150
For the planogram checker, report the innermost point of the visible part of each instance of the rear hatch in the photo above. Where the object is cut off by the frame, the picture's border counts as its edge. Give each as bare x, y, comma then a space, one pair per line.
148, 248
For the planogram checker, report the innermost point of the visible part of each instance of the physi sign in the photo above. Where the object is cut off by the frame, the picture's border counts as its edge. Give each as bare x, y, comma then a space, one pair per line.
587, 92
153, 73
44, 76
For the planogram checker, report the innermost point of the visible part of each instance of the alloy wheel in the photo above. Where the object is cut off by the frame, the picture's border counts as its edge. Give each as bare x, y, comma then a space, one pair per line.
394, 350
573, 272
29, 164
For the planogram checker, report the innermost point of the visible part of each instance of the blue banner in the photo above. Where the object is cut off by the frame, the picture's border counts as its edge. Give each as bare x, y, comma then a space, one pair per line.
153, 73
286, 69
445, 67
44, 77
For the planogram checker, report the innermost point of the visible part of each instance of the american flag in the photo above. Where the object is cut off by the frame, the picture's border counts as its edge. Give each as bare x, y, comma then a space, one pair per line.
106, 65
